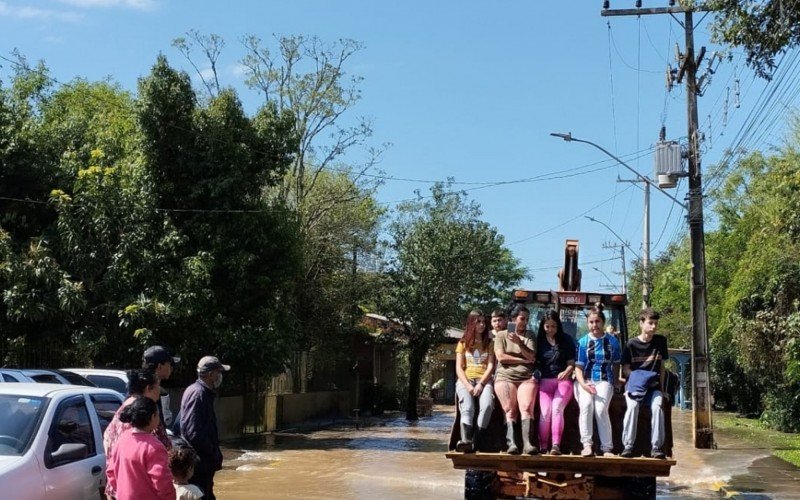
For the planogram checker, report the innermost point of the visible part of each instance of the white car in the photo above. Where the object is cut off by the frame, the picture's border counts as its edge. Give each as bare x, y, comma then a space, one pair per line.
51, 440
118, 381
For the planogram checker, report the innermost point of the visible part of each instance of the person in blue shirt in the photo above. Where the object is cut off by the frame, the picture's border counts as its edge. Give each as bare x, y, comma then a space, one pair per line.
596, 372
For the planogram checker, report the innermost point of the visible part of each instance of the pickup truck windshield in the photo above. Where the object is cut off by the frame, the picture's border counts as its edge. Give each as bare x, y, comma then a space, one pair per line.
19, 417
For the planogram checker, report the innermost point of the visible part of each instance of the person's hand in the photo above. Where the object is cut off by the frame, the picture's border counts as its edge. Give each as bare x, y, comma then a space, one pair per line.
589, 387
514, 338
477, 389
565, 374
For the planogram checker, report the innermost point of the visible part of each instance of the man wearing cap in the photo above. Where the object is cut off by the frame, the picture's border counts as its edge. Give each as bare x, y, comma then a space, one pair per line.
160, 361
199, 422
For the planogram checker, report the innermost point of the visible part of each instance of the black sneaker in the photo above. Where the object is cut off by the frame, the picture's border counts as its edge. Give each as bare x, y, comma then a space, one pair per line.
658, 453
627, 452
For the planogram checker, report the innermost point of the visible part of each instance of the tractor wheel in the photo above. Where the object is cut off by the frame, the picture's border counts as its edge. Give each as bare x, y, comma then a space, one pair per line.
478, 485
640, 488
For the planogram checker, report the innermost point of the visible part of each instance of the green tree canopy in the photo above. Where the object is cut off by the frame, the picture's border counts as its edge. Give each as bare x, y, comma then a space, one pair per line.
444, 260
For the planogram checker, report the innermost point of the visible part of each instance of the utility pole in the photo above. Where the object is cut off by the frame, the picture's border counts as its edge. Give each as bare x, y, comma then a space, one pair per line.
621, 248
645, 244
701, 396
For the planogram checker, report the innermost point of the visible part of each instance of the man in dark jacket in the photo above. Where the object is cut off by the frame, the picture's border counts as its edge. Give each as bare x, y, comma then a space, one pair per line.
199, 422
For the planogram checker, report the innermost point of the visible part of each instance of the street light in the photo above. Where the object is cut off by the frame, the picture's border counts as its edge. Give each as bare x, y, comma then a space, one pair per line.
606, 277
568, 137
625, 243
646, 233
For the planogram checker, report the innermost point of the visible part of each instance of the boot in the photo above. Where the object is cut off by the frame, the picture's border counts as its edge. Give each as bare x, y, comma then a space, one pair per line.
476, 439
528, 448
464, 445
512, 446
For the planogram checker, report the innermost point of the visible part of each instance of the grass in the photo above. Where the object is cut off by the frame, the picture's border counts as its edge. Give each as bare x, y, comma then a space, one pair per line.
784, 446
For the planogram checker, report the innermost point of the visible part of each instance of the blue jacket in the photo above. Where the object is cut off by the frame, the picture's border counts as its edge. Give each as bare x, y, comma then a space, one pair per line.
641, 381
199, 424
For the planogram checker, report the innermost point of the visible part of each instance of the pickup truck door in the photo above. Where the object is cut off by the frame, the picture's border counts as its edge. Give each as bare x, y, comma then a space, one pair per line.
74, 477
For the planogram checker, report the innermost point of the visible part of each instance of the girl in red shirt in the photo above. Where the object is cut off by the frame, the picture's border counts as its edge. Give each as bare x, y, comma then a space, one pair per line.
138, 467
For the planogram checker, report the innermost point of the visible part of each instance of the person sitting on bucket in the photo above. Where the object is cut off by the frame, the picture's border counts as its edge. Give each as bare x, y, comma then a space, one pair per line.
643, 366
474, 366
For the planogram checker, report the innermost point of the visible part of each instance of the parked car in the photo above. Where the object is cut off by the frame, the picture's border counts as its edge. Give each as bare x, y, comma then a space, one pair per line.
43, 376
118, 381
51, 440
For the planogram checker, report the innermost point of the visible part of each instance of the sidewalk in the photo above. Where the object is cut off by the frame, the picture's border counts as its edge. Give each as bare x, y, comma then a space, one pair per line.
736, 468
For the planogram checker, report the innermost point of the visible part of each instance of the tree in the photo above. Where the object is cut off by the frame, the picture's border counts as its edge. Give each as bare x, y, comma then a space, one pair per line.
763, 29
211, 164
327, 182
445, 260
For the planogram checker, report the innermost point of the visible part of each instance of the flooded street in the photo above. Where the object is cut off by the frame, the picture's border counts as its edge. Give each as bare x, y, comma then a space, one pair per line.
398, 460
402, 460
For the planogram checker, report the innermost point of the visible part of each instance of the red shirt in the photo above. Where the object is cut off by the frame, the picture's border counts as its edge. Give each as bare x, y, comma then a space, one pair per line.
138, 468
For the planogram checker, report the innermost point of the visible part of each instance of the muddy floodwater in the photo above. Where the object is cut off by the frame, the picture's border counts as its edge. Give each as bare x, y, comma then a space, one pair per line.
401, 460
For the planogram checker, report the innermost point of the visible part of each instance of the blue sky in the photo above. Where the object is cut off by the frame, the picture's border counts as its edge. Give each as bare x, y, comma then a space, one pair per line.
465, 89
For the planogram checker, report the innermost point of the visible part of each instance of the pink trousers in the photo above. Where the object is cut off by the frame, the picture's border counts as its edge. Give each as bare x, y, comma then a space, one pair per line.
554, 395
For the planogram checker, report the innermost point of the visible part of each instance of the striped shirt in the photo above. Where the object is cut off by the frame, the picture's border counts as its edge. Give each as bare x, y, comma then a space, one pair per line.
597, 355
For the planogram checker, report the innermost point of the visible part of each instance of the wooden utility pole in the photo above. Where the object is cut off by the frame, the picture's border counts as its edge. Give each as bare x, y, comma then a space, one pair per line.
701, 395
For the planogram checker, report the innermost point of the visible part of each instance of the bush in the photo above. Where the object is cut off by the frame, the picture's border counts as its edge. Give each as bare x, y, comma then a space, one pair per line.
782, 408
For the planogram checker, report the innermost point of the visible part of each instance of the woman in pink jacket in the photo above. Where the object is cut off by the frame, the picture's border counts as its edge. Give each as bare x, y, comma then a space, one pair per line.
138, 467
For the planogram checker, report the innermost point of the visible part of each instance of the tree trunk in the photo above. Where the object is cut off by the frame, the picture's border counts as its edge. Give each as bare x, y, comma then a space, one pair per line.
415, 359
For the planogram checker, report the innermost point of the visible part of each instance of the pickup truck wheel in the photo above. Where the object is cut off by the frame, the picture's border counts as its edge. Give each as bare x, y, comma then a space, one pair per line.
478, 484
640, 487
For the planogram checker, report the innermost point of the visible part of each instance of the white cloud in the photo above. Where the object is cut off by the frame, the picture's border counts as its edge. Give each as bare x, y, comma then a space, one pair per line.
128, 4
37, 13
239, 70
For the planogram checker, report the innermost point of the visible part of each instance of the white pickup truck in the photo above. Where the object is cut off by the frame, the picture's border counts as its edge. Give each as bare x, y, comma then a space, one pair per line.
51, 440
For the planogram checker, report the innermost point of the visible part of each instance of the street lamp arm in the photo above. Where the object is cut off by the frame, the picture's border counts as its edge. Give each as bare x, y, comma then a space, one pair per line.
568, 137
627, 245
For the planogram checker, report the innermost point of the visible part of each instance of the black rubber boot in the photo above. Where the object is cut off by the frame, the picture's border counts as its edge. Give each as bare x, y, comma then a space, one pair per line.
476, 439
464, 445
512, 446
528, 448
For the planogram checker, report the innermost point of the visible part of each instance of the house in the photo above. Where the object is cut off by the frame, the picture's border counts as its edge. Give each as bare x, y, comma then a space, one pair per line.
442, 366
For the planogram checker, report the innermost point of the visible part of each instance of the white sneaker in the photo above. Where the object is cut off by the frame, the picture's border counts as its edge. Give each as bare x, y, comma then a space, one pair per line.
587, 451
608, 454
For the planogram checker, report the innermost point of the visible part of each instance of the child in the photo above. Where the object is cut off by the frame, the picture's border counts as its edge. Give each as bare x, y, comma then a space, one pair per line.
137, 466
643, 367
181, 462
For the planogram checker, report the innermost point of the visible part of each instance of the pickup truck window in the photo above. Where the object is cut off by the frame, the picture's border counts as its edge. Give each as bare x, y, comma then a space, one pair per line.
72, 425
109, 382
106, 407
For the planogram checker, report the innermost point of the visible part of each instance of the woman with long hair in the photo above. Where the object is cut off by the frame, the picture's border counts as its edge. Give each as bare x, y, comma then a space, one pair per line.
555, 359
138, 466
596, 373
515, 386
474, 368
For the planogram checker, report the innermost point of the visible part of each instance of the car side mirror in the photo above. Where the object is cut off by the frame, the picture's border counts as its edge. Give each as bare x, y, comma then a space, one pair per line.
69, 452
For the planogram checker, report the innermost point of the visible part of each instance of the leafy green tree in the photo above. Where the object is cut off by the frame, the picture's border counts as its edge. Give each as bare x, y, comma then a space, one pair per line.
327, 182
212, 164
444, 261
763, 29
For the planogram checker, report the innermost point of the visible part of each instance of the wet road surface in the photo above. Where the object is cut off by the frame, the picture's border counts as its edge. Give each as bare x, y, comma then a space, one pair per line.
402, 460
